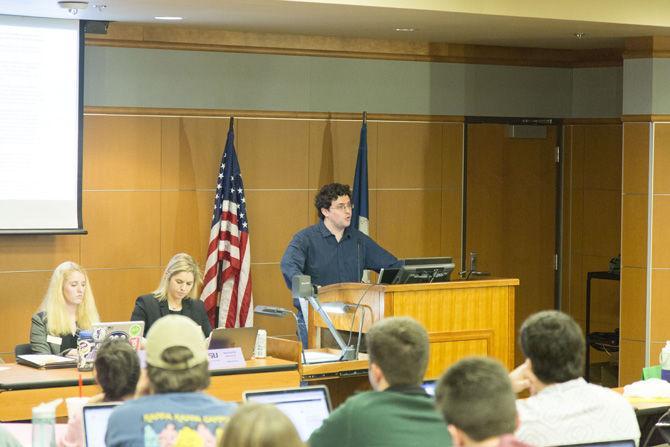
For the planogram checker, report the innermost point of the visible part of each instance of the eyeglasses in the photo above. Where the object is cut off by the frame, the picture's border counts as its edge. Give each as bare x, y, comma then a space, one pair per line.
343, 206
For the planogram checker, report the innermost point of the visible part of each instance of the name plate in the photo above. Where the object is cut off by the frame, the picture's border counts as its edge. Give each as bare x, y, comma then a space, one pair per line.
226, 358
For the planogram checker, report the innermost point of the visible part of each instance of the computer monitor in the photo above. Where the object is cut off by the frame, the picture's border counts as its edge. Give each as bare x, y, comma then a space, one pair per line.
425, 270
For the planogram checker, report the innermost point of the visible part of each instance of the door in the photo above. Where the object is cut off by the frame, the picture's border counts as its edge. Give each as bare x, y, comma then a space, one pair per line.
511, 211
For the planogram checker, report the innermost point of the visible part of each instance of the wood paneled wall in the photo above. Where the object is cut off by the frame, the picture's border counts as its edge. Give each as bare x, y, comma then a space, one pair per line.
148, 191
591, 223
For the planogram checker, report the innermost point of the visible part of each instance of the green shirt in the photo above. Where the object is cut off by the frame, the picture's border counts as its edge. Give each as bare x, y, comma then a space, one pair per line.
384, 418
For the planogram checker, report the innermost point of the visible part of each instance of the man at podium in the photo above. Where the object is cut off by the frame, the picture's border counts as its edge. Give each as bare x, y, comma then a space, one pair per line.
332, 251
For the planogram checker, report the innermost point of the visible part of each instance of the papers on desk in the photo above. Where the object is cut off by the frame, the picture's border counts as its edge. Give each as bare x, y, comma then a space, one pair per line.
648, 389
46, 361
320, 357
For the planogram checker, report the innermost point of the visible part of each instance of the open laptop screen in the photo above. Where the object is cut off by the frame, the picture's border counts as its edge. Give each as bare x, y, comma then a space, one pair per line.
429, 387
307, 407
96, 417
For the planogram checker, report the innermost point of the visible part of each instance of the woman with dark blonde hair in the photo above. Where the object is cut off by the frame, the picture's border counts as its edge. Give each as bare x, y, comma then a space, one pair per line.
260, 425
68, 307
177, 293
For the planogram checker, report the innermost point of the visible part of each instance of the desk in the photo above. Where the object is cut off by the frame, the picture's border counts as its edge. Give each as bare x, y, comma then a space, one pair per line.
648, 412
23, 387
23, 432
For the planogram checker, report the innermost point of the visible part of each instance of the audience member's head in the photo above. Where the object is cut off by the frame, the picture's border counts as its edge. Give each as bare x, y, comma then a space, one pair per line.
398, 353
328, 194
260, 425
176, 356
182, 267
476, 401
554, 344
117, 369
69, 287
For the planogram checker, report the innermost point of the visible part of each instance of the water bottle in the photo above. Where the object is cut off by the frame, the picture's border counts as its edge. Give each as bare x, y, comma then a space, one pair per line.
261, 344
85, 352
665, 362
44, 426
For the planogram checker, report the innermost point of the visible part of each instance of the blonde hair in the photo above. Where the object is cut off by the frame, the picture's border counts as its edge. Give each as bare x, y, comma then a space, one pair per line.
54, 304
181, 262
260, 425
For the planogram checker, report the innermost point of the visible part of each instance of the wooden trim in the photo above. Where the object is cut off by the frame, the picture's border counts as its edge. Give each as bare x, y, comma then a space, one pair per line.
206, 39
647, 47
481, 334
595, 121
644, 118
225, 113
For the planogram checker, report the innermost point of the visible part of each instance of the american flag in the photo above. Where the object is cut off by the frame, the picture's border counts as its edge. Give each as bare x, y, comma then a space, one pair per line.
227, 270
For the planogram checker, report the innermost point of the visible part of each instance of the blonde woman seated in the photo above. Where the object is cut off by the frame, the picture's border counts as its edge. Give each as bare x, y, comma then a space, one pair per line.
176, 294
67, 307
260, 425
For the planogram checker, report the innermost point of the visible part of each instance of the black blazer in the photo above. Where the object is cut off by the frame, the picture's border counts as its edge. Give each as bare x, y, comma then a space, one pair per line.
149, 309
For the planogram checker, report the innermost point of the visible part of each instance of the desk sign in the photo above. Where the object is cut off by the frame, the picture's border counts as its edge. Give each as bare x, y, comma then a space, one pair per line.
226, 358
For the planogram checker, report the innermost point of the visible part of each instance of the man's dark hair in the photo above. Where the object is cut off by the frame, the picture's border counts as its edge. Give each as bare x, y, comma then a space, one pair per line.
399, 346
476, 396
328, 193
117, 369
554, 343
178, 381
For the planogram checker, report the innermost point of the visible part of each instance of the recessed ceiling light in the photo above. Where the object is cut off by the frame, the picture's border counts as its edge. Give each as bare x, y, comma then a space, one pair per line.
405, 30
168, 18
579, 35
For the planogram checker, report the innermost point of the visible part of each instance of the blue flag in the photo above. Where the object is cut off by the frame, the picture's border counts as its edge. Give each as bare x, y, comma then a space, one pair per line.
360, 214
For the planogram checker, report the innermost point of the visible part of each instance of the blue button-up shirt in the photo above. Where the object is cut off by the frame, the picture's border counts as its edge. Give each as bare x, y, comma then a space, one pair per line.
316, 252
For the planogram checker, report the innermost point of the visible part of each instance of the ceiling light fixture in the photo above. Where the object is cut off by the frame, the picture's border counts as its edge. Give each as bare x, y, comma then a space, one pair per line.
405, 30
73, 7
579, 35
173, 18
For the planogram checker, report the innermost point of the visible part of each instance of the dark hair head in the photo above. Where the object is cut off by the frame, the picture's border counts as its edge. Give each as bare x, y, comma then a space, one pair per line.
476, 396
328, 193
554, 343
399, 346
117, 369
178, 380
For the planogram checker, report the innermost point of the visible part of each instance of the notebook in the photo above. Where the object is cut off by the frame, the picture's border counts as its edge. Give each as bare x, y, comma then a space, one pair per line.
307, 407
95, 418
242, 337
131, 331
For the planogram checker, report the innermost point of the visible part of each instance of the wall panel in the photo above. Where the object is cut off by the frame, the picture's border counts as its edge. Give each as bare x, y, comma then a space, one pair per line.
149, 186
127, 152
592, 223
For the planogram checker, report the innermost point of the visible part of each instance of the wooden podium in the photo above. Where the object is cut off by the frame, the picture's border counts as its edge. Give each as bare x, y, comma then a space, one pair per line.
462, 317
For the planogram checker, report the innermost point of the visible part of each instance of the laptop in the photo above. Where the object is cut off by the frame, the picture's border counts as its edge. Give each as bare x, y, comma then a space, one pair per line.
307, 406
95, 418
621, 443
429, 387
132, 331
242, 337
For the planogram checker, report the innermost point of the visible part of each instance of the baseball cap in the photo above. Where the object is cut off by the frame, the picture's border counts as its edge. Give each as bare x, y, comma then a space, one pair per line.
171, 331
